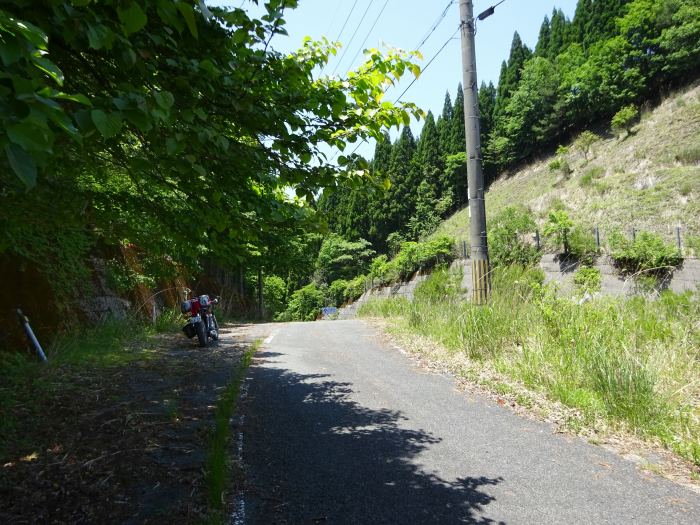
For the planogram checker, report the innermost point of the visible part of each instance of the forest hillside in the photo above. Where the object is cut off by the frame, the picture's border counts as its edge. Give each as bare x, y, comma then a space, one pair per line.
647, 179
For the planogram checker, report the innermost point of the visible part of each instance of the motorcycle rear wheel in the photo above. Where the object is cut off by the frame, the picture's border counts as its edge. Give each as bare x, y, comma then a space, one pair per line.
201, 333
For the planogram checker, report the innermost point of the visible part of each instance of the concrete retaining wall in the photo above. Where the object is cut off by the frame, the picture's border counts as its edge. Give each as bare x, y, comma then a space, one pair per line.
556, 270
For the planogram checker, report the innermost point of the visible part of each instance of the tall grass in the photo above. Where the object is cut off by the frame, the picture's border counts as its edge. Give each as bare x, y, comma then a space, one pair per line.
633, 362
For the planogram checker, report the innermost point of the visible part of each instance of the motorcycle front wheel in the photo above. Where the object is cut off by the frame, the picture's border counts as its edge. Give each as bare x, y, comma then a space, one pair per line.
201, 333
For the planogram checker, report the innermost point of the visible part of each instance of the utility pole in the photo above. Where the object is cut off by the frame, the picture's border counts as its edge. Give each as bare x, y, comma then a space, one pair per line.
481, 280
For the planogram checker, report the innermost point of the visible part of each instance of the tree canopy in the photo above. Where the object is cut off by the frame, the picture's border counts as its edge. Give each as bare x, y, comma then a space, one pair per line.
174, 127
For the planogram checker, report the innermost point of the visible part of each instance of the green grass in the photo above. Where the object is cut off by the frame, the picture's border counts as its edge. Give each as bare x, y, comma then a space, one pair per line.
218, 469
689, 155
590, 176
630, 363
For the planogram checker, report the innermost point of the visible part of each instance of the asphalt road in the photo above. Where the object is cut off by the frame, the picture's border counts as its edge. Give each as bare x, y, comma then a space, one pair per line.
337, 427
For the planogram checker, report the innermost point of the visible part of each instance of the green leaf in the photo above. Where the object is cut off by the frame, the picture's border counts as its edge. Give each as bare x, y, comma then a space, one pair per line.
305, 157
188, 14
164, 99
132, 18
78, 97
109, 125
48, 67
140, 119
22, 164
100, 36
31, 135
170, 145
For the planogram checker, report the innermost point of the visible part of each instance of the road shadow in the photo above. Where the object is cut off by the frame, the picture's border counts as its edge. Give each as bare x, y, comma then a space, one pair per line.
313, 455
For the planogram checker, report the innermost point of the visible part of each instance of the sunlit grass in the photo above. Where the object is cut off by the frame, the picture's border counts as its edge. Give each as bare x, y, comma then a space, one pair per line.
634, 363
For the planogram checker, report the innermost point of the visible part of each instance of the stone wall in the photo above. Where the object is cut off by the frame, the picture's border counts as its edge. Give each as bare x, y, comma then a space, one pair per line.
556, 270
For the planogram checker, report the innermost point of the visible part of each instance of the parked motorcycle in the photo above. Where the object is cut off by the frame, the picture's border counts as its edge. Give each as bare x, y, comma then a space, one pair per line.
202, 321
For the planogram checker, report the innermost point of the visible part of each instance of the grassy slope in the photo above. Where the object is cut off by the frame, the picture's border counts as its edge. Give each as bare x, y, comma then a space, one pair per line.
640, 182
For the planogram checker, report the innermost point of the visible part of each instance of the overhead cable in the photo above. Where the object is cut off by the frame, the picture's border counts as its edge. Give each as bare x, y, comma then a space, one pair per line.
359, 24
435, 25
428, 64
362, 45
347, 19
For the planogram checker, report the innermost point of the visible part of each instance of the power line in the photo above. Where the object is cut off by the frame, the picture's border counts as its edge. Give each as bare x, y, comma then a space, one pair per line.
347, 18
368, 33
428, 64
335, 15
352, 38
413, 82
435, 25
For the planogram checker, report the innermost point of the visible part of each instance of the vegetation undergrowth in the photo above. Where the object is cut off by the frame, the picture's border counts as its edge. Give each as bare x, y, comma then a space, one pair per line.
217, 466
305, 303
27, 384
630, 363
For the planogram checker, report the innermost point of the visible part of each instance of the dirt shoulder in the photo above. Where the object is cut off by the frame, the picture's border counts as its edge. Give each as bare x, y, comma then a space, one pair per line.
123, 444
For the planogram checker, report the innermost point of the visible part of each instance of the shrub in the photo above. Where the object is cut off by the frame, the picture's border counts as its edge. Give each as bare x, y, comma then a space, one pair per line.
647, 253
339, 258
624, 119
440, 287
582, 245
505, 244
355, 288
558, 228
381, 270
587, 279
584, 142
590, 175
304, 305
416, 256
560, 163
274, 295
394, 242
336, 292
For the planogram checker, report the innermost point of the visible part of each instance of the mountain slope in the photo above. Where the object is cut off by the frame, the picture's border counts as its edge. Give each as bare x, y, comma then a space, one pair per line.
649, 180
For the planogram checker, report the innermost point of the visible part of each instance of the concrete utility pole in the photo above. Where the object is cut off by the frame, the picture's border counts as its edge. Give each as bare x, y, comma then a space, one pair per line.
481, 280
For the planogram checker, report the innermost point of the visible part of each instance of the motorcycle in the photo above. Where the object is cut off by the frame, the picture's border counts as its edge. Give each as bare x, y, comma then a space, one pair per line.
202, 321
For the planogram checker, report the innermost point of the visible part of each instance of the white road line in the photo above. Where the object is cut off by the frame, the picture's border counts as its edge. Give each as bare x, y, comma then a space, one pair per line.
271, 336
238, 514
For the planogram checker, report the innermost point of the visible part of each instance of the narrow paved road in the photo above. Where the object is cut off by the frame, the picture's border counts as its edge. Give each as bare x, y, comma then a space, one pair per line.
339, 428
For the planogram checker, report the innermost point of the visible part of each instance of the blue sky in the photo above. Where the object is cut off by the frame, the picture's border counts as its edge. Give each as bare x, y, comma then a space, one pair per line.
403, 24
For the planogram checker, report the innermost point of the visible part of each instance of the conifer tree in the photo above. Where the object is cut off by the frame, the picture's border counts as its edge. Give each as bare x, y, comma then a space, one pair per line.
398, 204
542, 46
510, 73
559, 33
428, 157
457, 137
444, 124
487, 106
